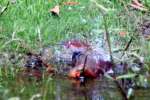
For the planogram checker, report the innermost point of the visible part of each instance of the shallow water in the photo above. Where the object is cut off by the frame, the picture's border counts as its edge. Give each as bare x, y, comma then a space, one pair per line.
62, 88
66, 89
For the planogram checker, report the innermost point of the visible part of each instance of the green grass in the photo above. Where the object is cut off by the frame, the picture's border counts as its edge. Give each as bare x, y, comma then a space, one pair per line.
26, 17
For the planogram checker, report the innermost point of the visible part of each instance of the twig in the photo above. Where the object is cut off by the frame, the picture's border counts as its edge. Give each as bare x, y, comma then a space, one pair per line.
1, 13
104, 12
84, 65
107, 38
136, 56
127, 46
120, 50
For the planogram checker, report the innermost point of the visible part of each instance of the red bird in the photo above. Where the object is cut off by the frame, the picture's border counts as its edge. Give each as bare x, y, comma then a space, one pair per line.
91, 69
86, 61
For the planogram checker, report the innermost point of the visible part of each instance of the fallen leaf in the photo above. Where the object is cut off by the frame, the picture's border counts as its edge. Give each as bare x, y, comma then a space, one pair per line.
55, 10
50, 69
137, 5
136, 2
122, 34
71, 3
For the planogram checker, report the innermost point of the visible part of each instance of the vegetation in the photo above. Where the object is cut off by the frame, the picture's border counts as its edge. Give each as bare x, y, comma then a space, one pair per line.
28, 25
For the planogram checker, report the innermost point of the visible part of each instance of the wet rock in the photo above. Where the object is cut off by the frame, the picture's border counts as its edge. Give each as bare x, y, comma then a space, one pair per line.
36, 65
33, 61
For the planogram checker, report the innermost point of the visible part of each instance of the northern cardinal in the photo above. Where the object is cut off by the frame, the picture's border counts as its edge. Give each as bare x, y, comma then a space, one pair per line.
92, 68
87, 62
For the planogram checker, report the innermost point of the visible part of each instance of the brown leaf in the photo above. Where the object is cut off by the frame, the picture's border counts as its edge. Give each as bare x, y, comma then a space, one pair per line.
55, 10
136, 2
71, 3
122, 34
137, 5
50, 69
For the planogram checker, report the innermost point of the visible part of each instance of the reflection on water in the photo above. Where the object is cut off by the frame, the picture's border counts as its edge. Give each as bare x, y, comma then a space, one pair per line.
62, 88
66, 89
